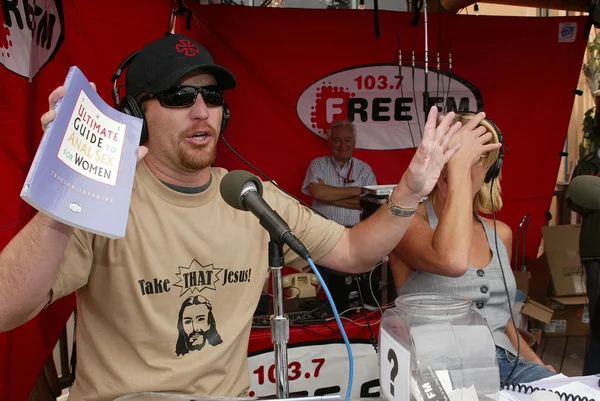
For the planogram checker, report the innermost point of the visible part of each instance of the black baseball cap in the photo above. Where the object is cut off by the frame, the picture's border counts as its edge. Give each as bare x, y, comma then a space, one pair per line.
162, 63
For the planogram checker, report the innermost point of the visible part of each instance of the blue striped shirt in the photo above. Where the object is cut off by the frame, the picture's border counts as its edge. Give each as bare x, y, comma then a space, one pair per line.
328, 170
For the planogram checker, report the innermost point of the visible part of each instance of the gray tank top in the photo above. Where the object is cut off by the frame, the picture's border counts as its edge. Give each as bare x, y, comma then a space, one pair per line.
485, 287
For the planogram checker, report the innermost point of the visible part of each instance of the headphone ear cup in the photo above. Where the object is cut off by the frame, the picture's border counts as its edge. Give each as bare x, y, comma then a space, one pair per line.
225, 118
131, 106
494, 170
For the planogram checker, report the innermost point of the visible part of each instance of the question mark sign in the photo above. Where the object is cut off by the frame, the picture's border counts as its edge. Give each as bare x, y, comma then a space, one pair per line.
391, 356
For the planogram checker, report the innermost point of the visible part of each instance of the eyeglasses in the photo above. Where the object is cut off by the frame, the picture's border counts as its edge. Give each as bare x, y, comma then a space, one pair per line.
185, 96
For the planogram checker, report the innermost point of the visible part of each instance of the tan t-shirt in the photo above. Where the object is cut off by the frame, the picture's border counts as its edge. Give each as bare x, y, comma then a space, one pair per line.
169, 306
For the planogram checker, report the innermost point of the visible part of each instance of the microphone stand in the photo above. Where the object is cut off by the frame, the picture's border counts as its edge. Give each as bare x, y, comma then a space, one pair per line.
280, 327
250, 199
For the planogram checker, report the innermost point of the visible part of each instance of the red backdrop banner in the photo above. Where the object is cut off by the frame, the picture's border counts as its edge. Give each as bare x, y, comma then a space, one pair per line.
521, 71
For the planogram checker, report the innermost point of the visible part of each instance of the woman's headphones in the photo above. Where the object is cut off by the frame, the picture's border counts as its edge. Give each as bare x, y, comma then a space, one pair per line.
494, 170
129, 104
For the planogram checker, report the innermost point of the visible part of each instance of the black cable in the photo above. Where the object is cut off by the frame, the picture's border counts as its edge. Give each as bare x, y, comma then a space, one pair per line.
308, 314
524, 388
418, 4
437, 89
444, 100
362, 304
304, 327
414, 91
269, 179
376, 17
505, 285
439, 52
402, 90
449, 76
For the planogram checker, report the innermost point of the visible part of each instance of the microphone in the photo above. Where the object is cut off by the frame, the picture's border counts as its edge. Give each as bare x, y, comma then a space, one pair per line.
243, 191
584, 190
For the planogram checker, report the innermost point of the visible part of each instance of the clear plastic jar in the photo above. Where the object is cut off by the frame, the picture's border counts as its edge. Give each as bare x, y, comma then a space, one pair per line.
452, 351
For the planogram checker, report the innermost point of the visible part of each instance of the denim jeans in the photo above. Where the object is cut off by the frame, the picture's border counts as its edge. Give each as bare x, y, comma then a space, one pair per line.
591, 365
525, 372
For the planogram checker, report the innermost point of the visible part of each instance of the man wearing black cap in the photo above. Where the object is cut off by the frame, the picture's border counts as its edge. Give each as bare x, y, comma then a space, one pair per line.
189, 263
174, 71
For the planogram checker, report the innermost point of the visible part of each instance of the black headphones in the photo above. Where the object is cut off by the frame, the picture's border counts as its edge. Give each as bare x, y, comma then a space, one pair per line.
494, 170
129, 104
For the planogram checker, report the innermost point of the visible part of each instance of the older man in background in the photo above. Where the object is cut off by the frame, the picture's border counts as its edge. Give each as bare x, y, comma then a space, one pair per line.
334, 181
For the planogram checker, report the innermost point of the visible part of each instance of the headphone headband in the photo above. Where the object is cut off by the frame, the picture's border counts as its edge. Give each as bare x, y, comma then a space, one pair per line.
115, 78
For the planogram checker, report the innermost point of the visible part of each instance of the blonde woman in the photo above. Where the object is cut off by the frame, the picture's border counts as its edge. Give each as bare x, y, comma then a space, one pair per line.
450, 248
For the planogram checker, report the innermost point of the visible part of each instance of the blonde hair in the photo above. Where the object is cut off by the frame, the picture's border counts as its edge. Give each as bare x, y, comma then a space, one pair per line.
483, 201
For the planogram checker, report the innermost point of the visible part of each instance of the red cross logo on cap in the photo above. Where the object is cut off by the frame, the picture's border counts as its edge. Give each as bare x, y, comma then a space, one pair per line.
187, 48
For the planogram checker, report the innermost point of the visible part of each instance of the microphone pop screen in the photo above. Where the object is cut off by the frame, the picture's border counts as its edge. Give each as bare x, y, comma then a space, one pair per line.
232, 185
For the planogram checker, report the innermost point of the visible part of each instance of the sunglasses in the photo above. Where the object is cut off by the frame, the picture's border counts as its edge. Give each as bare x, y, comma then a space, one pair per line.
185, 96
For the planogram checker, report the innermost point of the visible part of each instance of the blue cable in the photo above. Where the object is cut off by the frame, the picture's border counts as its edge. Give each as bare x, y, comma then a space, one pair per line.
340, 325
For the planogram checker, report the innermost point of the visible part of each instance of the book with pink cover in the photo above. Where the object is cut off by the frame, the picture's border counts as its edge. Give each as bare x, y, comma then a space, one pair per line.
82, 174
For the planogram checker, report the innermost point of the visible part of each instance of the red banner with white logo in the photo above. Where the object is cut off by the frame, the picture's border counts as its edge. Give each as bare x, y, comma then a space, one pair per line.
297, 70
521, 71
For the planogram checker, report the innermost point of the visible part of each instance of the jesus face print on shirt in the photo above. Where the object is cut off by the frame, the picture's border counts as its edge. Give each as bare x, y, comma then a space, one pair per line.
196, 326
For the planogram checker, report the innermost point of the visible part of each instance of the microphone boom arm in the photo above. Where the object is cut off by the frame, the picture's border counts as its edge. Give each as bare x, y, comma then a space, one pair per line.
277, 228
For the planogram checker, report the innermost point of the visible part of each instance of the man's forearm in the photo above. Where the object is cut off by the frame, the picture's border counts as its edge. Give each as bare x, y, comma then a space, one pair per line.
330, 194
350, 203
28, 269
361, 247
